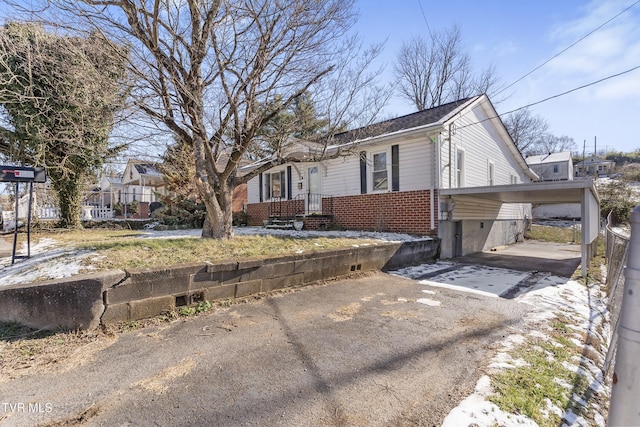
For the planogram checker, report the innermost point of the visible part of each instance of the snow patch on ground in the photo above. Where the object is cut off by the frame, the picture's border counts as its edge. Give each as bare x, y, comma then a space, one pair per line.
476, 410
429, 302
487, 281
550, 297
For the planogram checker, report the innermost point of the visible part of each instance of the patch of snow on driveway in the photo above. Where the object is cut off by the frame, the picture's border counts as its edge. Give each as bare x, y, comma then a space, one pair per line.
487, 281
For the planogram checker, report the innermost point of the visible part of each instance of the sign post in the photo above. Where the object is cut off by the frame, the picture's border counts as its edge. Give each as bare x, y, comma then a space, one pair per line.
18, 174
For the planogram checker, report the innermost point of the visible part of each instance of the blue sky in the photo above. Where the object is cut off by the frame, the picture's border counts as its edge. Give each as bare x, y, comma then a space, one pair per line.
517, 36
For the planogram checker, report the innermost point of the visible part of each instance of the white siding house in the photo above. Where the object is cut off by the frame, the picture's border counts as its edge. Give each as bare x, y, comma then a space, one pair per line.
552, 166
391, 177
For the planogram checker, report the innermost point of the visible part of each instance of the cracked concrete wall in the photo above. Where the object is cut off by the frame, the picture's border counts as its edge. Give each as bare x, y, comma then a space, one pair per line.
72, 303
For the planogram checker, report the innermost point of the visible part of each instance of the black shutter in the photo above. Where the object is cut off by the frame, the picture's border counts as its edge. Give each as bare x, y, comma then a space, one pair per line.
260, 185
395, 168
363, 172
283, 189
289, 183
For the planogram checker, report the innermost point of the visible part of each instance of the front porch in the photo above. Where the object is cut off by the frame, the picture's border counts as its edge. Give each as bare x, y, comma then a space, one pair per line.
310, 211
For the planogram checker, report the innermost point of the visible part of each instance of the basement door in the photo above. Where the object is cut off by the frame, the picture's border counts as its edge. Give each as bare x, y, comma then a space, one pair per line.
457, 239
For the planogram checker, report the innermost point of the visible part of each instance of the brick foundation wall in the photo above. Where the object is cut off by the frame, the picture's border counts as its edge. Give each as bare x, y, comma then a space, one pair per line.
318, 222
258, 212
402, 212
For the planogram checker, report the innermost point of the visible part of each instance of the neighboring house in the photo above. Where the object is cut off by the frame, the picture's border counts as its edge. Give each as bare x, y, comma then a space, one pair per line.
105, 193
139, 185
552, 166
388, 177
142, 182
594, 167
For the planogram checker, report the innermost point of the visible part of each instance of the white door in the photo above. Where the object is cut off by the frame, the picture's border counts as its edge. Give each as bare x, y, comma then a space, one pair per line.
314, 199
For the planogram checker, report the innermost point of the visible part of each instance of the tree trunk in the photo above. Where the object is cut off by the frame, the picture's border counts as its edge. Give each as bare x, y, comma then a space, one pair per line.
218, 223
216, 195
68, 191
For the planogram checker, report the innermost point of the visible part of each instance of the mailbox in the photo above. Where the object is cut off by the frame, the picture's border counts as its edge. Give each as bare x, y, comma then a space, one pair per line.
22, 174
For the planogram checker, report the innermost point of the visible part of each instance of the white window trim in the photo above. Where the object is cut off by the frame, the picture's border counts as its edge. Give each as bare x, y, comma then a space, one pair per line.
460, 170
491, 173
372, 170
270, 174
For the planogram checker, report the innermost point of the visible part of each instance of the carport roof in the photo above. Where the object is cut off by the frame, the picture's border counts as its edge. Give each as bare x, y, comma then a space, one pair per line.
546, 193
534, 192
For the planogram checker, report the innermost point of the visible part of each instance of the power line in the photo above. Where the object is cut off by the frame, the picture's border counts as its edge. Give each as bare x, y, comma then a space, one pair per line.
425, 18
563, 50
553, 96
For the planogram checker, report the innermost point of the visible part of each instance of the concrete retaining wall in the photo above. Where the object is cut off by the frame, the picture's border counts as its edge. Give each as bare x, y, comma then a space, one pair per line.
83, 302
414, 253
73, 303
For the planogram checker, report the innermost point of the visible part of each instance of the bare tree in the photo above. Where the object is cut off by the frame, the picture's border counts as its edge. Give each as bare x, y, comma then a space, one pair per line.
531, 136
205, 68
550, 143
526, 130
434, 71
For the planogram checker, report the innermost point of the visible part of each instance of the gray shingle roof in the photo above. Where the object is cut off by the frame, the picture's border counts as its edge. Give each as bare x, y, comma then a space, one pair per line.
410, 121
147, 169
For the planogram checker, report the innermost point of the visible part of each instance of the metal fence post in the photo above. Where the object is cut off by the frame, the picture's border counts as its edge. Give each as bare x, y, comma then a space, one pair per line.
625, 390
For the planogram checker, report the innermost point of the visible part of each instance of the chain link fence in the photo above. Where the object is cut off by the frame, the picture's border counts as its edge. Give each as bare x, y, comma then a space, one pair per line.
617, 251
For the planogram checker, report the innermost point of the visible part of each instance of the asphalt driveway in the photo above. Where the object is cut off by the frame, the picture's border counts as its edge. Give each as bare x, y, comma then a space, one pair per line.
373, 350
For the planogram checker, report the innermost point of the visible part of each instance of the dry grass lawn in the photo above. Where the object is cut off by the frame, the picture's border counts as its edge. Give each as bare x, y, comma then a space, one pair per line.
126, 249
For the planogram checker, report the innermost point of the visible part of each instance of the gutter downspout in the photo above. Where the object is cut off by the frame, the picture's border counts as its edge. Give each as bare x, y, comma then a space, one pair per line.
449, 138
435, 202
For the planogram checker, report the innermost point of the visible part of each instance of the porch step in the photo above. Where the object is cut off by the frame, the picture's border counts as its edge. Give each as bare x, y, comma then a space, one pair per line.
281, 224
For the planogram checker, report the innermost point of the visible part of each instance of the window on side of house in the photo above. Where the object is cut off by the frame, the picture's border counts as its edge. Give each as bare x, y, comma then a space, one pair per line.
380, 174
459, 167
491, 173
555, 169
266, 183
514, 179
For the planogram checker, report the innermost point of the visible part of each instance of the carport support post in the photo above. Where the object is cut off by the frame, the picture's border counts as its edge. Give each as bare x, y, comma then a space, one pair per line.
625, 391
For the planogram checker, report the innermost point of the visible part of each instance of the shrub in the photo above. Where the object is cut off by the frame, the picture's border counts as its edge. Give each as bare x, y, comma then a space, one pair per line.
631, 172
618, 198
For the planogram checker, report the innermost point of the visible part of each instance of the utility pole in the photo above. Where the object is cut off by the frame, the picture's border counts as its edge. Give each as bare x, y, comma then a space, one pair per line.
625, 391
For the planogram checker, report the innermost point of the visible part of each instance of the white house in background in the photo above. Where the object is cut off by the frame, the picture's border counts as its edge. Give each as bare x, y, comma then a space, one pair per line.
552, 166
142, 182
594, 167
395, 173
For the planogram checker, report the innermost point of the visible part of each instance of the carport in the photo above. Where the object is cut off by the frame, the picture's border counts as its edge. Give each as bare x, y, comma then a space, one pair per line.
581, 191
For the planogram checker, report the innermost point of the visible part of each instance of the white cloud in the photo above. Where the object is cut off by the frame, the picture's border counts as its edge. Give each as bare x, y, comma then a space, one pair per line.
612, 49
608, 50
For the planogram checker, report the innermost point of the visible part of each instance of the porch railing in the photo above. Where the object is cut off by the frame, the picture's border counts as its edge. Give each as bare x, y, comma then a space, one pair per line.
302, 204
